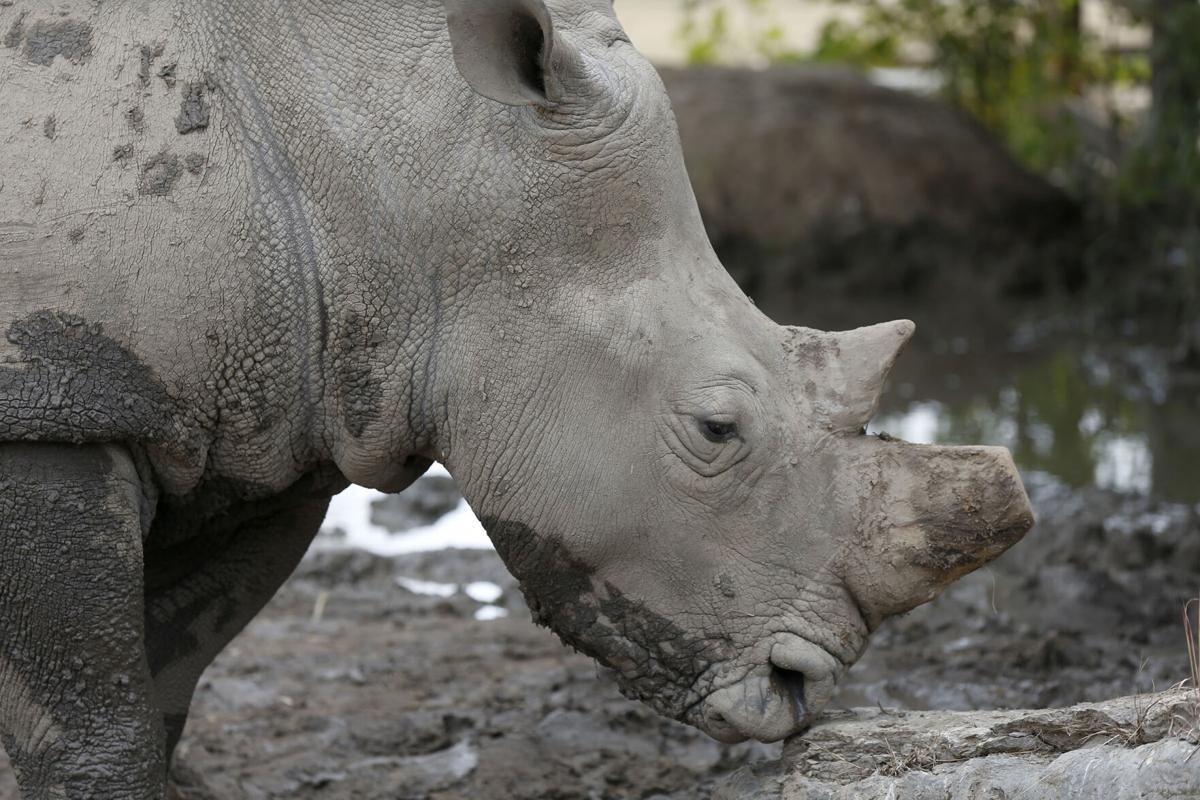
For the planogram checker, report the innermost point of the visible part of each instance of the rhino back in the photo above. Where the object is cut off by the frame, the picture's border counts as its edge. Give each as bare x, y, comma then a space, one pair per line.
112, 230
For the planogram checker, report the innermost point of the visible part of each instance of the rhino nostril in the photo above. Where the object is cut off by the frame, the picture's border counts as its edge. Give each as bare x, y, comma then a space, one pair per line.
792, 684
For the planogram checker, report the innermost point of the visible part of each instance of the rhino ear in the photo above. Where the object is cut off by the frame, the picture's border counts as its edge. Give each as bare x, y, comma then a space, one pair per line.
507, 51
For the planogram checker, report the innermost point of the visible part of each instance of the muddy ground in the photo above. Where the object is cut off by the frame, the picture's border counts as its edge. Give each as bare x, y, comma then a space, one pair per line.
349, 686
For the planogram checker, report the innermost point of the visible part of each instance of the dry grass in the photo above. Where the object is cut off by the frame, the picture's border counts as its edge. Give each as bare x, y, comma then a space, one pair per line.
919, 757
1133, 735
1191, 633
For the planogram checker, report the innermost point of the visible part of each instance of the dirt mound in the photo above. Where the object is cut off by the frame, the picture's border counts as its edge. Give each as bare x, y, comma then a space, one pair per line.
813, 177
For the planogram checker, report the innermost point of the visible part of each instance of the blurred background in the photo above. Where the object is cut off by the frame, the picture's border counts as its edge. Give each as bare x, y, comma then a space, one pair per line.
1019, 177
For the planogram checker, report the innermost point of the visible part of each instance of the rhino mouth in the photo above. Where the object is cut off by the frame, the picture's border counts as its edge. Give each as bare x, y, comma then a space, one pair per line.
775, 699
818, 669
791, 685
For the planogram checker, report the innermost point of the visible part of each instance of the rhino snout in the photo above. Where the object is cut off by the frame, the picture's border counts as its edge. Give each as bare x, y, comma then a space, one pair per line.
930, 515
774, 700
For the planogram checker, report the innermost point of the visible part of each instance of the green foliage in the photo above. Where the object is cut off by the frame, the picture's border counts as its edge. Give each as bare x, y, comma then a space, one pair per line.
704, 35
842, 43
1162, 174
1016, 65
1008, 62
707, 38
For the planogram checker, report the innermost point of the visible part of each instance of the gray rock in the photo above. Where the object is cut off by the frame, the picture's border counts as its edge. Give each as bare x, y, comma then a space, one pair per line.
1143, 746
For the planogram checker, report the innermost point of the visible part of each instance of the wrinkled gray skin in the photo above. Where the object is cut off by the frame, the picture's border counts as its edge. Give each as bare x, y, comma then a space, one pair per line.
252, 251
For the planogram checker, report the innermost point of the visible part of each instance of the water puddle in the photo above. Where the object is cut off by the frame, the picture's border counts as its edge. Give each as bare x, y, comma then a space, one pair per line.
1112, 411
483, 591
487, 613
486, 593
431, 588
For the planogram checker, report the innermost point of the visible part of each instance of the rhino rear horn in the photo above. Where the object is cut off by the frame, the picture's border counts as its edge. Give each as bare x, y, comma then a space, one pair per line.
507, 50
855, 364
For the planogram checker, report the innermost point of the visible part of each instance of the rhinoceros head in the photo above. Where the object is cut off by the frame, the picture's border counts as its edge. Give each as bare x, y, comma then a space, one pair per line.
683, 488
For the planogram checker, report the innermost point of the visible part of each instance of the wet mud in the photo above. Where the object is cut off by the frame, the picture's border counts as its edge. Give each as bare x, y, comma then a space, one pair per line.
349, 686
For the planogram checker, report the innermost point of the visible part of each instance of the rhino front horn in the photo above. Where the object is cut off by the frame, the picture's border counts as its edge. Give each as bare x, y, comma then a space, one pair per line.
931, 515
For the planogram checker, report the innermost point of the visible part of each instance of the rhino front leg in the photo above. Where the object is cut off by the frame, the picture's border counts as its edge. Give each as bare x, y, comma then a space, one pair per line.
76, 714
231, 574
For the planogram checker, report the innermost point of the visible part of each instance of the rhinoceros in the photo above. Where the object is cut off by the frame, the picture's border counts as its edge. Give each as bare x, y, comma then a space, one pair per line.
252, 252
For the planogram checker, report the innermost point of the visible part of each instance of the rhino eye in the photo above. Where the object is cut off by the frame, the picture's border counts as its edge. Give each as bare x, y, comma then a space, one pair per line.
717, 431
